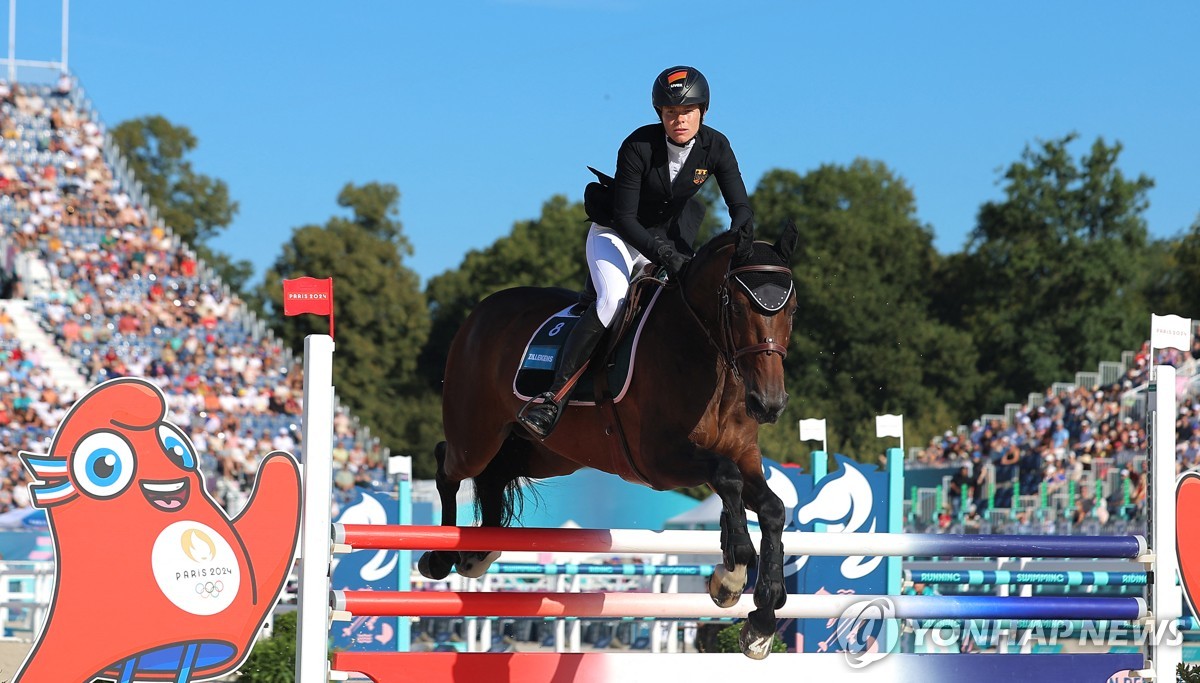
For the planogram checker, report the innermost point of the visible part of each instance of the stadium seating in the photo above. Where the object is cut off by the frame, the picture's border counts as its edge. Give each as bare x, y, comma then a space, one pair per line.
121, 296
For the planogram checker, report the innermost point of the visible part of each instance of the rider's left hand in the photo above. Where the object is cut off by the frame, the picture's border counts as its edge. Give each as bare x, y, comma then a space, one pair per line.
744, 224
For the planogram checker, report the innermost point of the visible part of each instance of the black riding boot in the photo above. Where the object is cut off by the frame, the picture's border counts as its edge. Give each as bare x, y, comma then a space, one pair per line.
541, 418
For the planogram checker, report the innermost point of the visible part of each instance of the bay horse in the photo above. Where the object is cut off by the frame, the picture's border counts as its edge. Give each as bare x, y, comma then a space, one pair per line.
708, 372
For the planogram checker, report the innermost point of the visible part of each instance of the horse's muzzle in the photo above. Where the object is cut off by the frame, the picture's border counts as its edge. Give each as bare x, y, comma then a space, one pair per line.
764, 409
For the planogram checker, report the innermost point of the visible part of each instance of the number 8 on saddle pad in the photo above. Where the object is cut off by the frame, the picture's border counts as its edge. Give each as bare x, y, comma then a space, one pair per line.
536, 371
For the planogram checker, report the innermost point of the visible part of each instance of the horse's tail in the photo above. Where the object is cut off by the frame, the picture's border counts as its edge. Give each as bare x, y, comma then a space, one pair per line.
504, 483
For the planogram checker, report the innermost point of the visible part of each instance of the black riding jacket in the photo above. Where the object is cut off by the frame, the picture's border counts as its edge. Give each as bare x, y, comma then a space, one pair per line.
644, 201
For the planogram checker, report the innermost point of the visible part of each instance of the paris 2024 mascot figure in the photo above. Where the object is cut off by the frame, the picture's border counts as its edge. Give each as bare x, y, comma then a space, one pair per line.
154, 581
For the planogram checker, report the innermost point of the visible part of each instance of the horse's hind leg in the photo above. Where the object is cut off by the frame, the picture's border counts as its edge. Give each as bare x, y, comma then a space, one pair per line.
728, 580
498, 493
436, 564
770, 593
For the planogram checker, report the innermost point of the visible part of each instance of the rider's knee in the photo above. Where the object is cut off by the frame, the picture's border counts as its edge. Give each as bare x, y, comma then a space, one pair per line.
607, 305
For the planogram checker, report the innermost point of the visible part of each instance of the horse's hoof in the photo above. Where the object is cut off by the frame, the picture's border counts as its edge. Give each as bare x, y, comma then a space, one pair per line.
434, 565
475, 565
725, 587
753, 645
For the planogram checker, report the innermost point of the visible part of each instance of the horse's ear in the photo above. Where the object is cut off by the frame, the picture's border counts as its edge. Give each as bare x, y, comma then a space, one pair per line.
786, 244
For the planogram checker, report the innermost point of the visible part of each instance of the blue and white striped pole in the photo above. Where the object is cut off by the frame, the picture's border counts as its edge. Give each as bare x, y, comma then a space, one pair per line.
975, 577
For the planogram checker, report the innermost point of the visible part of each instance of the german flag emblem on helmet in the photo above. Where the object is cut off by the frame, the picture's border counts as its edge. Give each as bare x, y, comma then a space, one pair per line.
676, 76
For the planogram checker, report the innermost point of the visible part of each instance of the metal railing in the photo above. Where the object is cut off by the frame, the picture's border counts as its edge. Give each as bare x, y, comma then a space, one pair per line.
1106, 483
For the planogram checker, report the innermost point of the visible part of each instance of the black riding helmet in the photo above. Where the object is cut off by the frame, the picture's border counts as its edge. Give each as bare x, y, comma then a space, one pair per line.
678, 86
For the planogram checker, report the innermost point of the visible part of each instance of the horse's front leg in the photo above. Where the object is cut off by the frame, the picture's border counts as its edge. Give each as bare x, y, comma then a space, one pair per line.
728, 580
770, 593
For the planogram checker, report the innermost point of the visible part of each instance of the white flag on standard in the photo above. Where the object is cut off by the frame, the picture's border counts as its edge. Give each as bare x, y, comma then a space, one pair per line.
889, 425
1170, 332
812, 430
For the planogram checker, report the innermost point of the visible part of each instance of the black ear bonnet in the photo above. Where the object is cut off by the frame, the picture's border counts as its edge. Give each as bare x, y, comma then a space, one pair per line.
769, 290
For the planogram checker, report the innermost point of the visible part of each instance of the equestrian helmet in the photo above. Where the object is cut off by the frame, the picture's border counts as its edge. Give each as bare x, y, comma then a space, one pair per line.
680, 85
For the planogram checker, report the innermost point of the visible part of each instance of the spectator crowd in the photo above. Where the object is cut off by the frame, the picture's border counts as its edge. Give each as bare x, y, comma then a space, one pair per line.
1071, 441
124, 298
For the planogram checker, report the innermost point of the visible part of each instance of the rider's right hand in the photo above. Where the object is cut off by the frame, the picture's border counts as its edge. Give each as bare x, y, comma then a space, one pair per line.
669, 258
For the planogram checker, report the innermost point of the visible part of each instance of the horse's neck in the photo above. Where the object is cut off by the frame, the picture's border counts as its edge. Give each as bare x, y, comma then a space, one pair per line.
720, 423
680, 328
680, 331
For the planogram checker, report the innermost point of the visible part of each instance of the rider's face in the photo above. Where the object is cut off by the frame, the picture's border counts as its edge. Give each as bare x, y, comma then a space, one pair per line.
682, 123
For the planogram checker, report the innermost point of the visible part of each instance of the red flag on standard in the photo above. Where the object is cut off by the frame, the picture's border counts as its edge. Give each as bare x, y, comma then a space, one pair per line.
308, 295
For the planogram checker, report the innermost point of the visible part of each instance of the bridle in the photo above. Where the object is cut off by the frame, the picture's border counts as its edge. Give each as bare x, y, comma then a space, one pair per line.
727, 350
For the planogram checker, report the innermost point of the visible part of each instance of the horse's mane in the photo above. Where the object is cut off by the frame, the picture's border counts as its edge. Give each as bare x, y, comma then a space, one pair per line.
721, 239
761, 254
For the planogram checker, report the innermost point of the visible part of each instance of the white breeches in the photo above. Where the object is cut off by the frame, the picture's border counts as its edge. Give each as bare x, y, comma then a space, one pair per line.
612, 263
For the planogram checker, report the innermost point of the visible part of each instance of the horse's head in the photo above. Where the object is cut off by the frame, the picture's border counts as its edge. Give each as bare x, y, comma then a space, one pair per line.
742, 292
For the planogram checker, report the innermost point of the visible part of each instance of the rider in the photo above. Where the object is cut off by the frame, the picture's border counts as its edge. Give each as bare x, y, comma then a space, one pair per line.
653, 216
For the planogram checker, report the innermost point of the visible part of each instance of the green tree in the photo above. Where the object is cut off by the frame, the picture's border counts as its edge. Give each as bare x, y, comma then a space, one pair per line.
381, 315
273, 660
545, 252
1049, 283
195, 206
865, 341
1173, 274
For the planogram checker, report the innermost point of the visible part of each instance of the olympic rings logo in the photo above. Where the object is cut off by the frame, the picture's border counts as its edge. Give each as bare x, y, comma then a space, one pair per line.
210, 589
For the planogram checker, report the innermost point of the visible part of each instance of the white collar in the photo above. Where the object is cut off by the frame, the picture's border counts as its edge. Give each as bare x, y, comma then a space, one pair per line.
675, 149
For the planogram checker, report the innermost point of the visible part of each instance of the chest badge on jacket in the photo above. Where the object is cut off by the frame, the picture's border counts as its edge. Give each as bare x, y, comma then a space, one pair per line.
700, 176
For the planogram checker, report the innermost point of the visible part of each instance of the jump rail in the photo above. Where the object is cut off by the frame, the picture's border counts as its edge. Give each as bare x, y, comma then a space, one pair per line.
628, 667
395, 537
695, 605
976, 577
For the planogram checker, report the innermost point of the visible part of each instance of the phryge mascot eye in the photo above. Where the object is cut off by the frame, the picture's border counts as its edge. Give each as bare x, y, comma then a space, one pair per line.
154, 582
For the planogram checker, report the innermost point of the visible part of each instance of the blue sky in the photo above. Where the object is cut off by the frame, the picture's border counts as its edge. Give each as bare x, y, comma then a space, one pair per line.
481, 111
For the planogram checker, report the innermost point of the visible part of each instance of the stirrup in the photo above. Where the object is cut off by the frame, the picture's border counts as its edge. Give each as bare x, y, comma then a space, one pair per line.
547, 398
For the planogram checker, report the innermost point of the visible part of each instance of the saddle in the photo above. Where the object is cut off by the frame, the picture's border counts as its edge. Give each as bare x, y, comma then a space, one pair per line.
611, 365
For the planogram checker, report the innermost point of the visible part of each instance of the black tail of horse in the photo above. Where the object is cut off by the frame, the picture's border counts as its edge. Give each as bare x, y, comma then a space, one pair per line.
501, 488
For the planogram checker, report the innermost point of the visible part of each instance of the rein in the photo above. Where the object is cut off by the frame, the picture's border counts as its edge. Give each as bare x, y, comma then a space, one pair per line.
728, 351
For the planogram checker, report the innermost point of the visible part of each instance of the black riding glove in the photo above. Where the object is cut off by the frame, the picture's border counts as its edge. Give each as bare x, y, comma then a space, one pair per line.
743, 222
668, 257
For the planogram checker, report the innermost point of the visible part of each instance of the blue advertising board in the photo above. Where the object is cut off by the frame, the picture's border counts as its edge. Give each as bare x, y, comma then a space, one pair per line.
367, 570
854, 498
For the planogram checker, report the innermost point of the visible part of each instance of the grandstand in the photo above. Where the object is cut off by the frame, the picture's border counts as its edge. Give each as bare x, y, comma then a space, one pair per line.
95, 286
1069, 460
